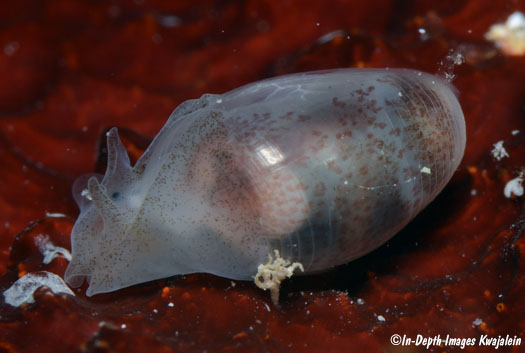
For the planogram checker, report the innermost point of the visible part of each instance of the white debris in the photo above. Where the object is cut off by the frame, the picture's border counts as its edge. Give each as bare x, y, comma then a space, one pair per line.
22, 290
499, 151
455, 57
55, 215
425, 170
477, 322
446, 67
381, 318
515, 132
85, 193
270, 275
514, 187
49, 250
509, 37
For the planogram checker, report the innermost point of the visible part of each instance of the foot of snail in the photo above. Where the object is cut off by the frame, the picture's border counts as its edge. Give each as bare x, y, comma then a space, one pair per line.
270, 275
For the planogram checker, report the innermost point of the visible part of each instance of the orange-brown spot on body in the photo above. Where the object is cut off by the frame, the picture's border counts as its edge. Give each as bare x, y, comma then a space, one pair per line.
363, 170
165, 292
500, 307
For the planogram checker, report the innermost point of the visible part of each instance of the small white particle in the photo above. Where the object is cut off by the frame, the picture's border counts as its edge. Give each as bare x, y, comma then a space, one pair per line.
317, 24
267, 307
426, 170
84, 128
473, 192
455, 57
477, 322
123, 326
469, 31
422, 30
55, 215
515, 132
514, 187
155, 311
171, 305
499, 151
381, 318
419, 73
85, 193
400, 94
233, 284
360, 301
449, 77
219, 101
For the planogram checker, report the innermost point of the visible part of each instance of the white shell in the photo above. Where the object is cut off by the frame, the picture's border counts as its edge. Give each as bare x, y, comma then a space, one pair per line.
323, 166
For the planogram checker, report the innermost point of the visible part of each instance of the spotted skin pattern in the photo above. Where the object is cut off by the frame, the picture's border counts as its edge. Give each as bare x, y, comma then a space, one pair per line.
323, 166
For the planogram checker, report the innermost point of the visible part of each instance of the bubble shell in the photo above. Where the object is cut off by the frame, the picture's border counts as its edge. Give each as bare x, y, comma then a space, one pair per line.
323, 166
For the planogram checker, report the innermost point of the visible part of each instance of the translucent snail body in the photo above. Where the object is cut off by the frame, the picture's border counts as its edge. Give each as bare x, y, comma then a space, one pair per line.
322, 166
